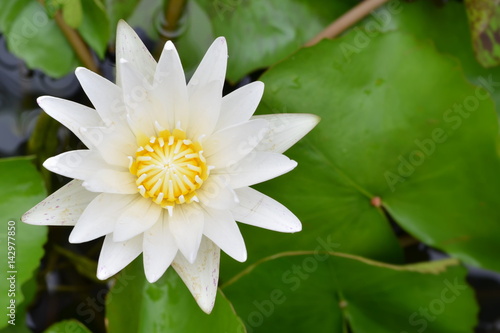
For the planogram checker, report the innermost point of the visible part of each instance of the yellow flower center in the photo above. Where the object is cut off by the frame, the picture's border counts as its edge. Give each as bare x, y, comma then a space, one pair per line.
169, 168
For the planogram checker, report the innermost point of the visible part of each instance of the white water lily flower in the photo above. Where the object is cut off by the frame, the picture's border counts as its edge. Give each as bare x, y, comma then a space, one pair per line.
168, 165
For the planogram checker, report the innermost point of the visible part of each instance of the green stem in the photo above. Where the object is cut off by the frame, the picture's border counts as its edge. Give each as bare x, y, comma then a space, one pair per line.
76, 41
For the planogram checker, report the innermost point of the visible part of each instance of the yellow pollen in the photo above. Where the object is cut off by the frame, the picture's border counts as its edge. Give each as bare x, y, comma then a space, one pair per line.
169, 168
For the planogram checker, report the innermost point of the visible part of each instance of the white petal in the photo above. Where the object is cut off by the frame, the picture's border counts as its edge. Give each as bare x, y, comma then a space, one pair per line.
204, 108
115, 143
78, 164
221, 228
137, 217
106, 96
211, 68
186, 225
62, 207
256, 168
112, 181
240, 105
170, 89
202, 276
262, 211
217, 193
100, 216
130, 47
285, 130
72, 115
228, 146
138, 100
159, 249
116, 255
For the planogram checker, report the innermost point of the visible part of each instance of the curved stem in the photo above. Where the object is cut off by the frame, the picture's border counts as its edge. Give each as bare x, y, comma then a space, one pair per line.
347, 20
77, 43
75, 40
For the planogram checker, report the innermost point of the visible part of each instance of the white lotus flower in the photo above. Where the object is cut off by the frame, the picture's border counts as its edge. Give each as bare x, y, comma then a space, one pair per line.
168, 166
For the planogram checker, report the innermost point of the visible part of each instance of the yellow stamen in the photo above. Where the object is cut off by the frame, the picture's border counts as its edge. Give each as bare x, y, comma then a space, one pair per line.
169, 168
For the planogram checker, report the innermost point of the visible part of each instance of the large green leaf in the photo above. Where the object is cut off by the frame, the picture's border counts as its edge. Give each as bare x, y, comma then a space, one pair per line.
135, 305
34, 37
446, 25
21, 188
401, 123
320, 292
261, 32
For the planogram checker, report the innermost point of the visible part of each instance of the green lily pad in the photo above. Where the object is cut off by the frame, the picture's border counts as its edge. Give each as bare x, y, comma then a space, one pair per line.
401, 128
329, 292
135, 305
272, 29
21, 189
446, 25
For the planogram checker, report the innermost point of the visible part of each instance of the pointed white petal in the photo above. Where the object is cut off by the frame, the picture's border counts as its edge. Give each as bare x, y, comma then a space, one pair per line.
106, 96
72, 115
228, 146
114, 143
137, 217
202, 276
130, 47
138, 100
186, 225
159, 249
116, 255
78, 164
170, 89
240, 105
62, 207
211, 68
221, 228
285, 130
111, 181
217, 193
256, 168
262, 211
100, 216
204, 108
